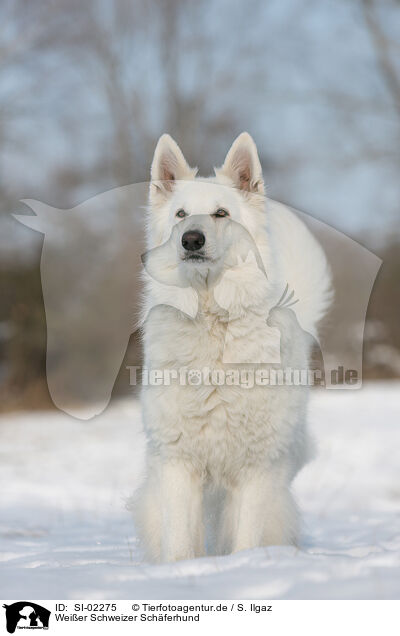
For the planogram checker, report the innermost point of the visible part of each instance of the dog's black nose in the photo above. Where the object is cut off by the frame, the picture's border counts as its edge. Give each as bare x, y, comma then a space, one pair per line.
193, 240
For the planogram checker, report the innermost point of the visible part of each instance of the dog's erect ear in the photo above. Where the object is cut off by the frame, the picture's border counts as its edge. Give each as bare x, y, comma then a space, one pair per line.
169, 165
242, 165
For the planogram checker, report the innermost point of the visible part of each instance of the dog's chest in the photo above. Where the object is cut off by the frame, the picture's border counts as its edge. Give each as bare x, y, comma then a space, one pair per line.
199, 342
223, 420
219, 424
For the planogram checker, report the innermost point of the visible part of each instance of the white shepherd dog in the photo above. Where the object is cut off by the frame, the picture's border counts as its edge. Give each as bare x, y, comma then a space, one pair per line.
222, 456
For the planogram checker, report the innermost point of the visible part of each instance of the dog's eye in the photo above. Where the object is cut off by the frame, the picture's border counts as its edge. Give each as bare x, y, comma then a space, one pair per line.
181, 214
220, 213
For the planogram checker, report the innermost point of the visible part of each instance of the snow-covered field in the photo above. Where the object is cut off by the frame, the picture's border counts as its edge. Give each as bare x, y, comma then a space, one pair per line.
65, 533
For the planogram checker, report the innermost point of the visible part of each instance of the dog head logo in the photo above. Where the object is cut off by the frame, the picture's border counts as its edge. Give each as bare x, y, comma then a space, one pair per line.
91, 253
26, 615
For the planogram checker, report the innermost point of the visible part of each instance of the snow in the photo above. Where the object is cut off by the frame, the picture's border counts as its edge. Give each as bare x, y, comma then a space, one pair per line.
65, 532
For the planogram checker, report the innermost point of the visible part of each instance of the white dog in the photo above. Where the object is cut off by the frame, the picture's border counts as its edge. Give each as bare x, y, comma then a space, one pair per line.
221, 257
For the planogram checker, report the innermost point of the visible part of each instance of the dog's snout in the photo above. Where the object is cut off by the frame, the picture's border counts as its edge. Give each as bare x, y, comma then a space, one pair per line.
193, 240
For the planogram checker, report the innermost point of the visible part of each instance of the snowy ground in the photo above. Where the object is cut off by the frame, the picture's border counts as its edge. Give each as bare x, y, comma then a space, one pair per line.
64, 531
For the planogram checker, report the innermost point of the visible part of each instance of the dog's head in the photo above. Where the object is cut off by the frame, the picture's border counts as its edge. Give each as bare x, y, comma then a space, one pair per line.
203, 219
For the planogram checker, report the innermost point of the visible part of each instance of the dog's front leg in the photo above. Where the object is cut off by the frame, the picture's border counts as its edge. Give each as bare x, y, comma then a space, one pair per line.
260, 511
181, 502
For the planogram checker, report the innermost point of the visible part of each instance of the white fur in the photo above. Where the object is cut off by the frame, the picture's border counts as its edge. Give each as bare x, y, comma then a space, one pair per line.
241, 446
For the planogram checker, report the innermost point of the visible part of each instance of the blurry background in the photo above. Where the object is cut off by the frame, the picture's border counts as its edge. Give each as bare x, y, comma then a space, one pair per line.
87, 88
